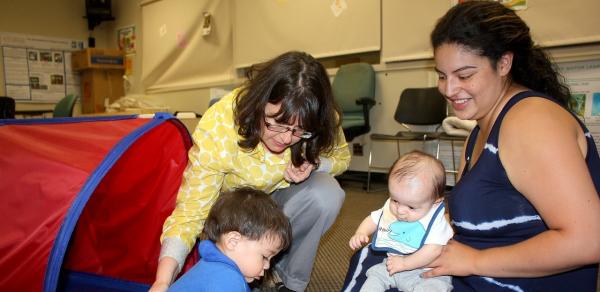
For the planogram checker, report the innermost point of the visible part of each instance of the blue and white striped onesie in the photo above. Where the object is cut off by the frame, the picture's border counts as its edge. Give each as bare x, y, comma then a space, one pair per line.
487, 211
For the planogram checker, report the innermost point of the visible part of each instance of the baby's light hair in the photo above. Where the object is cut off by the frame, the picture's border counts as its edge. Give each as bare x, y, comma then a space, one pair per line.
417, 162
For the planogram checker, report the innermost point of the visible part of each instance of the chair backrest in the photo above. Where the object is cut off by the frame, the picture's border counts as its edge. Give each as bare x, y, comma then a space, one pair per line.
64, 108
421, 106
7, 107
351, 82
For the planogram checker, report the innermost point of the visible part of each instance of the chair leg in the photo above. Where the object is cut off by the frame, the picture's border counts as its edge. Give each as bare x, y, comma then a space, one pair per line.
369, 169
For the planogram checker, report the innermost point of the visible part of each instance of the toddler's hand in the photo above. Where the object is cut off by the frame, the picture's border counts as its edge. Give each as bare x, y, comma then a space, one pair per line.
358, 240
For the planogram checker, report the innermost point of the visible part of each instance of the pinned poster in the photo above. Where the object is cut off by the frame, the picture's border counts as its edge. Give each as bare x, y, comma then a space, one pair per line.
126, 38
38, 68
583, 78
338, 6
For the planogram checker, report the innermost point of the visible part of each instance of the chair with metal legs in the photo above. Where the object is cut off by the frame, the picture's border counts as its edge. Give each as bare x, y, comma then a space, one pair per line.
454, 131
452, 139
416, 106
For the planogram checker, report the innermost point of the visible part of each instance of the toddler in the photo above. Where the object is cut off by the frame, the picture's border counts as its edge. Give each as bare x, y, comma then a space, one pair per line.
245, 229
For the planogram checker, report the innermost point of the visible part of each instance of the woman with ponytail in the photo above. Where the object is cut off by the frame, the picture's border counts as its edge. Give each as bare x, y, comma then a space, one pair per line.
526, 209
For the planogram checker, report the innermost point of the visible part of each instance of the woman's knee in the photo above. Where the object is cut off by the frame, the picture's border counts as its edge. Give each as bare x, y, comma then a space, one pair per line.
324, 192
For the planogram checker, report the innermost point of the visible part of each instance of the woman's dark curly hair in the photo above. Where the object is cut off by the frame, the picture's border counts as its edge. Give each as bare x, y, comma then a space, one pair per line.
301, 85
489, 29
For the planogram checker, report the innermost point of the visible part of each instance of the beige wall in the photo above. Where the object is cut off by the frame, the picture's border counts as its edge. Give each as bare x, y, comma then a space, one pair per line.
127, 13
56, 18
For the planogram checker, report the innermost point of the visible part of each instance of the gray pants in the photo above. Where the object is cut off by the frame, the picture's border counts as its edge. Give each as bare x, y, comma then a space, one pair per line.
312, 207
378, 280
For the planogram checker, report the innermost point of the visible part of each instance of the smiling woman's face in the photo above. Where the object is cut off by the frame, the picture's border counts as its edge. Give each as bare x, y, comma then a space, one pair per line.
468, 81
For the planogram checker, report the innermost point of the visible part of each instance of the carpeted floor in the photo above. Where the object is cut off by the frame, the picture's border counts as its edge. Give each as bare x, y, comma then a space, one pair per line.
334, 253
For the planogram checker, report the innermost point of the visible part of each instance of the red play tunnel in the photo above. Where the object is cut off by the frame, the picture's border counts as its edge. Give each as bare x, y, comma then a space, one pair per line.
83, 200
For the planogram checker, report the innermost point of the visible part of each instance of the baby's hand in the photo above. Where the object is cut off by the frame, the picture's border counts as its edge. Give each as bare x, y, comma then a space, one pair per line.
395, 264
358, 240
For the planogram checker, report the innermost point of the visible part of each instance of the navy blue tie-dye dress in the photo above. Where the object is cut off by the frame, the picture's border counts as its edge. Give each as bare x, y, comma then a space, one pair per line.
487, 211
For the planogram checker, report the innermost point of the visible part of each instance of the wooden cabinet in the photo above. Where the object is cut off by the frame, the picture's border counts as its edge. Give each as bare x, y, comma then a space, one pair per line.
101, 77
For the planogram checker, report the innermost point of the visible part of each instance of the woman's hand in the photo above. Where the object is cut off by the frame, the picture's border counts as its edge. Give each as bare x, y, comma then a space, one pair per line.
298, 174
358, 240
456, 259
165, 273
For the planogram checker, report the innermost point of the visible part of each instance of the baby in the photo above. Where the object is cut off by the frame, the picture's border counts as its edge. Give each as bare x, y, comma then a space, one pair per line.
411, 227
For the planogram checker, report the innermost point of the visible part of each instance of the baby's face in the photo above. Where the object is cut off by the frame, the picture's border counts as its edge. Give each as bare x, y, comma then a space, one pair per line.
410, 198
253, 256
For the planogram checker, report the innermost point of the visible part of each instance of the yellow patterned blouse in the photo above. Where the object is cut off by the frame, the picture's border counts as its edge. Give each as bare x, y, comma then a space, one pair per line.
217, 162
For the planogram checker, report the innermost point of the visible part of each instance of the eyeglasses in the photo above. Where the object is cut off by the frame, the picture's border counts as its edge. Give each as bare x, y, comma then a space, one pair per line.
297, 132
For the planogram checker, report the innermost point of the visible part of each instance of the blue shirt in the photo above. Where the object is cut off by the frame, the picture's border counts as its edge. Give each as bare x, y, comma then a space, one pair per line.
213, 273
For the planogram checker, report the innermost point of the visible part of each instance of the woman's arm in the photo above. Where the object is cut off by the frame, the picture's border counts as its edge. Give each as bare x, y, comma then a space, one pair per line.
200, 187
165, 273
543, 151
338, 160
419, 259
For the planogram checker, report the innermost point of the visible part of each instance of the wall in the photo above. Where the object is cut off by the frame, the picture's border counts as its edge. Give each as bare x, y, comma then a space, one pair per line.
56, 18
195, 99
397, 70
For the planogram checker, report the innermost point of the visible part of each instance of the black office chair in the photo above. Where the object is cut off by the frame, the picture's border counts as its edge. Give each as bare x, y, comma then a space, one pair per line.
423, 107
416, 107
7, 107
354, 90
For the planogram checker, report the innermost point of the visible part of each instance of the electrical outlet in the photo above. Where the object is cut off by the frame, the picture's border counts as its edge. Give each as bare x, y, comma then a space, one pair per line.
357, 149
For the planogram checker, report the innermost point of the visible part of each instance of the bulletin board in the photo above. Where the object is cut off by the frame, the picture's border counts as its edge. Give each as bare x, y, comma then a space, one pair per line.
583, 78
37, 68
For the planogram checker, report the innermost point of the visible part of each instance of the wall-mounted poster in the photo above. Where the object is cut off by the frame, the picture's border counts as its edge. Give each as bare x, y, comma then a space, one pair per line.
126, 39
38, 68
583, 78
